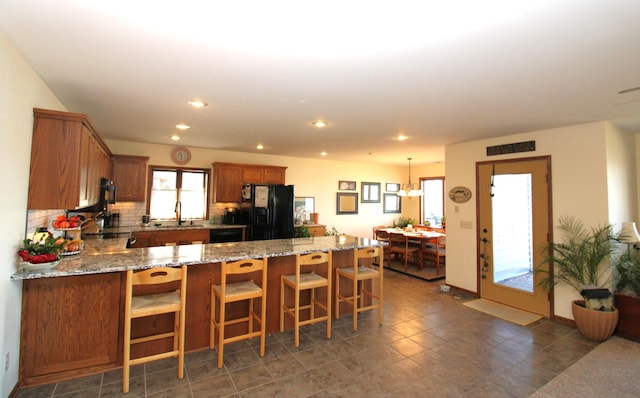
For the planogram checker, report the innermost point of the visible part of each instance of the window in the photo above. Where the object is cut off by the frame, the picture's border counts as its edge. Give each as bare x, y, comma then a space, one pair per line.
432, 204
168, 186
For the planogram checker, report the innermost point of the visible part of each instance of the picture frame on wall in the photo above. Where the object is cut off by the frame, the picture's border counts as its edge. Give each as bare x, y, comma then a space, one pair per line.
370, 192
392, 187
347, 185
392, 203
346, 203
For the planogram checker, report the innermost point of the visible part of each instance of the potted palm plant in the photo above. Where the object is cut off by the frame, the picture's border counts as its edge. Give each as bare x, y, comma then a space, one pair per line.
627, 294
580, 260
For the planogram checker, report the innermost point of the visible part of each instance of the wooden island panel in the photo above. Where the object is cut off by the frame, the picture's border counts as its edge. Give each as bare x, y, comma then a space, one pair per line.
85, 313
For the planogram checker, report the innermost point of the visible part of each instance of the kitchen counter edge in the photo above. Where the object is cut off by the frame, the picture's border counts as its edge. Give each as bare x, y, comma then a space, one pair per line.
111, 255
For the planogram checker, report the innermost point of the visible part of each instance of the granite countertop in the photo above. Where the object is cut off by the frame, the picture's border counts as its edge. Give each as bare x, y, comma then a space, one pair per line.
112, 255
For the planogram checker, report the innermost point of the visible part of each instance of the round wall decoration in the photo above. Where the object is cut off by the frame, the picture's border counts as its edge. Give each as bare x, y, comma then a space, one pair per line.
460, 194
181, 155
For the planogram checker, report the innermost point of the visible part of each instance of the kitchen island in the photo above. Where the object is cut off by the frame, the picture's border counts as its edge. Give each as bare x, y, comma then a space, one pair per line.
72, 314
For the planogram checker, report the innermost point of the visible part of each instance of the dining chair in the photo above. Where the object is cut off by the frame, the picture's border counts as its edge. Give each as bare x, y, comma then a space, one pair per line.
436, 253
145, 305
248, 290
367, 266
311, 281
399, 244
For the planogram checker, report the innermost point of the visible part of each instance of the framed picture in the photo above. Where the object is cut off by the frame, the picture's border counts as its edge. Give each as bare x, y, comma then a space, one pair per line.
392, 187
347, 185
392, 203
370, 192
346, 203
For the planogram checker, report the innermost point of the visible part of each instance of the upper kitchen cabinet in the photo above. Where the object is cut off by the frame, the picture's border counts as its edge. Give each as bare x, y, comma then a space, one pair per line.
68, 158
229, 177
129, 175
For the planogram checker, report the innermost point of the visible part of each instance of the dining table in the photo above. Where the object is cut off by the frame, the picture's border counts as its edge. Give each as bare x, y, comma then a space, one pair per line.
422, 238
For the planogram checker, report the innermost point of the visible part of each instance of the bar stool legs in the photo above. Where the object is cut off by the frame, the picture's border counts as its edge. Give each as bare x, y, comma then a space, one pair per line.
247, 290
359, 275
307, 281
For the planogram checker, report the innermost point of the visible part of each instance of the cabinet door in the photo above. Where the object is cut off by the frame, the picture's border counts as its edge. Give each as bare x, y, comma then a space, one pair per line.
83, 311
129, 176
182, 237
94, 170
228, 183
54, 175
253, 175
274, 175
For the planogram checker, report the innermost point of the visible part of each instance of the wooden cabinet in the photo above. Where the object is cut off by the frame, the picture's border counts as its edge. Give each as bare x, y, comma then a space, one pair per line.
68, 158
316, 229
228, 182
229, 177
129, 175
83, 313
184, 236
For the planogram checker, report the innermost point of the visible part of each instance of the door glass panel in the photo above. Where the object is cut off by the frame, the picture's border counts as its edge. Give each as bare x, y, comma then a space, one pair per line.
512, 231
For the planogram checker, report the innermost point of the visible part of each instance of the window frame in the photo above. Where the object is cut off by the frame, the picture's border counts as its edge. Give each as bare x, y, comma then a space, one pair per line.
422, 198
179, 170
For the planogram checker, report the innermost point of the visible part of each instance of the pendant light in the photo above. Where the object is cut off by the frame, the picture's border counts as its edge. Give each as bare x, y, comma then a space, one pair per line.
410, 189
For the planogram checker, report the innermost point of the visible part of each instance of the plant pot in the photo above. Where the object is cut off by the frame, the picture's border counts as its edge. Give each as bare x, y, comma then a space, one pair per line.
594, 325
629, 321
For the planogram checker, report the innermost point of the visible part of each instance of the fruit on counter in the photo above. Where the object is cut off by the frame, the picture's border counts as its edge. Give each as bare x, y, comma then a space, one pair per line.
40, 251
37, 258
69, 245
64, 222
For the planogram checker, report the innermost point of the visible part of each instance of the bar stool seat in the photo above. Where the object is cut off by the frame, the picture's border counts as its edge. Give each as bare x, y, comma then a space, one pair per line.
239, 291
155, 304
307, 281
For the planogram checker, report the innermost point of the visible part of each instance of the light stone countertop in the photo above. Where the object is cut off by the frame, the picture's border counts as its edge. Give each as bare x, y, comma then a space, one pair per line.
112, 255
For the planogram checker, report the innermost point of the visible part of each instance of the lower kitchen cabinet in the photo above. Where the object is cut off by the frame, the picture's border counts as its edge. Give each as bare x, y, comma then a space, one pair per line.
84, 311
171, 237
316, 229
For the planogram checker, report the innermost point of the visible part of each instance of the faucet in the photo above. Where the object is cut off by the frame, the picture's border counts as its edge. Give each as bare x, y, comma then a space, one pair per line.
179, 211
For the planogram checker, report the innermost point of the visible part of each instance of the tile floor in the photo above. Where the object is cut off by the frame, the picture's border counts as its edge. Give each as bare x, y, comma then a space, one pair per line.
429, 345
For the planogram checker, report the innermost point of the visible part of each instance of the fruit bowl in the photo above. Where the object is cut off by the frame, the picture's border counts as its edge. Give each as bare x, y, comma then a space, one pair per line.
38, 266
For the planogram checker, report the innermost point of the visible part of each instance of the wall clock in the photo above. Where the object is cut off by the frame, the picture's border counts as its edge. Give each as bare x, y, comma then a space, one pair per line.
460, 194
181, 155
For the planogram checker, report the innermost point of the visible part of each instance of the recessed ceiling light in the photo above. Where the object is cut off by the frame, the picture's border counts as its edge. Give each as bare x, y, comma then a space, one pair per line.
402, 137
197, 104
323, 153
319, 123
182, 126
259, 146
175, 137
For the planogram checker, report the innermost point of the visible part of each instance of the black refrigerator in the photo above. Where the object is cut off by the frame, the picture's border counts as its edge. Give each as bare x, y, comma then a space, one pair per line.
268, 213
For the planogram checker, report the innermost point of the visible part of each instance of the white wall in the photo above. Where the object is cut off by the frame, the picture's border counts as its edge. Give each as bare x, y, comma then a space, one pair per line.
580, 181
20, 91
621, 175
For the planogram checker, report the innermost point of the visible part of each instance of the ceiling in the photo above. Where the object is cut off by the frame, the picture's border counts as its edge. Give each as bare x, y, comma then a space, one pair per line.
437, 72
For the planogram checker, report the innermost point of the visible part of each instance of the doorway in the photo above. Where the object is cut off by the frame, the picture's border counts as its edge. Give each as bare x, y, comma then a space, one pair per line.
514, 219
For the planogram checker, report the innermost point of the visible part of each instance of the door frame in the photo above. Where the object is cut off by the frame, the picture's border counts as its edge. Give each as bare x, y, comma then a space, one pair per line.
546, 158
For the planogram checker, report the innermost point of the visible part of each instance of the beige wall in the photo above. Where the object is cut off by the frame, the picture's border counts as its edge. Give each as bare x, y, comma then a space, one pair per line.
311, 177
581, 173
20, 91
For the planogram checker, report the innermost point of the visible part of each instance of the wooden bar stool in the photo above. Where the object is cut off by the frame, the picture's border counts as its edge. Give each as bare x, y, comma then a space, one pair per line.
239, 291
359, 274
155, 304
307, 281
